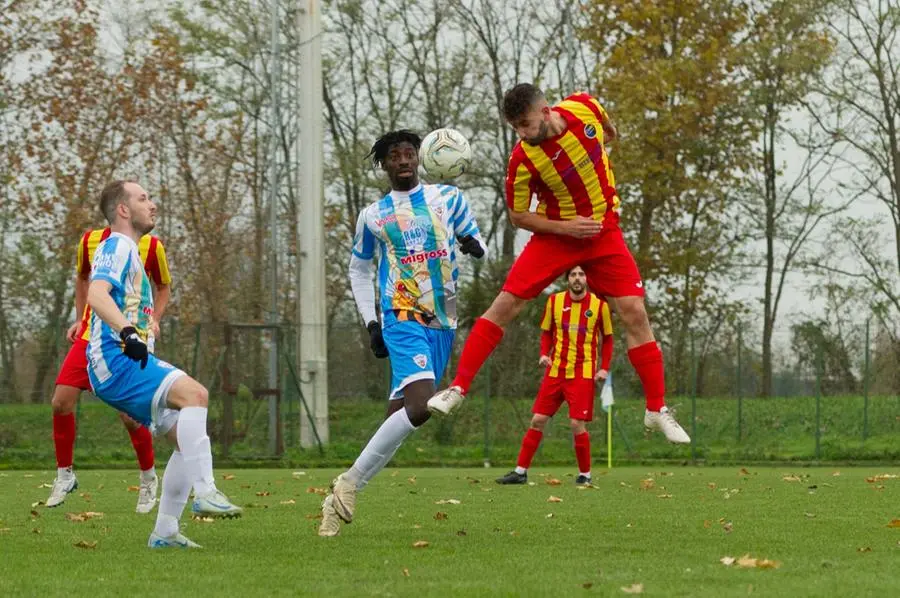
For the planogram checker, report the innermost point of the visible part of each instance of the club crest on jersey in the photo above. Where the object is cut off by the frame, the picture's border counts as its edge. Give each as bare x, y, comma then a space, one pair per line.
421, 360
588, 313
590, 131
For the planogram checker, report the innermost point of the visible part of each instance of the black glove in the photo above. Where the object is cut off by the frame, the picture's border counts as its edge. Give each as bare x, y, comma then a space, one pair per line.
376, 341
134, 348
469, 245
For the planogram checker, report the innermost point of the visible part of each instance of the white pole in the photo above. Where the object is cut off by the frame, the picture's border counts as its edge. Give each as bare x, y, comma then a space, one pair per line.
312, 335
274, 131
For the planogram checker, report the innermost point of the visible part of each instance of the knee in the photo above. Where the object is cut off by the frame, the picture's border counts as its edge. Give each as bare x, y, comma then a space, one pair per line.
632, 312
538, 422
196, 396
417, 412
63, 401
130, 424
578, 426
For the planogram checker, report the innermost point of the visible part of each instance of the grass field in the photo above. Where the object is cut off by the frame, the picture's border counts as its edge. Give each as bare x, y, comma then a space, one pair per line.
663, 528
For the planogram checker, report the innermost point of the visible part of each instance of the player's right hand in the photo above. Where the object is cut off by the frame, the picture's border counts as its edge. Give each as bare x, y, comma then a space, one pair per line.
544, 361
582, 227
376, 340
72, 331
133, 347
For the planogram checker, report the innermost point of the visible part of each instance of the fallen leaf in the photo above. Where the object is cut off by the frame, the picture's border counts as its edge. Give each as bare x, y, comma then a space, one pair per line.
74, 517
34, 505
744, 471
86, 496
587, 586
864, 549
549, 515
35, 531
647, 484
711, 485
663, 496
228, 476
263, 493
134, 488
314, 490
767, 564
894, 523
635, 588
666, 473
85, 544
836, 474
405, 572
298, 474
447, 501
421, 544
461, 532
746, 561
289, 501
629, 525
92, 515
791, 478
202, 519
245, 485
440, 516
810, 515
5, 529
554, 499
514, 533
728, 527
707, 523
45, 485
553, 482
35, 514
411, 480
419, 449
727, 560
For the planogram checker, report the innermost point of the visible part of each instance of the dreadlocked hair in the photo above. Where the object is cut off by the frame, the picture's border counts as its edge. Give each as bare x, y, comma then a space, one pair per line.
381, 147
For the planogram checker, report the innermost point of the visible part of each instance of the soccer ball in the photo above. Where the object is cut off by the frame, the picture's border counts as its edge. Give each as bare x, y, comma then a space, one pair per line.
445, 154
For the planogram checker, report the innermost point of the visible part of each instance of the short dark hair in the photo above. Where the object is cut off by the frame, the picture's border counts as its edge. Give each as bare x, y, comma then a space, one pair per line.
569, 271
519, 99
112, 195
383, 144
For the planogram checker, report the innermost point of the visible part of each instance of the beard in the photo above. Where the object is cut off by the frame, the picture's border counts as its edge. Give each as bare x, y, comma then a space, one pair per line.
543, 133
143, 227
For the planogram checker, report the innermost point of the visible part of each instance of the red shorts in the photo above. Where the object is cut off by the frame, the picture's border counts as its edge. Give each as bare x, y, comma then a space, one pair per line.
74, 368
610, 268
577, 392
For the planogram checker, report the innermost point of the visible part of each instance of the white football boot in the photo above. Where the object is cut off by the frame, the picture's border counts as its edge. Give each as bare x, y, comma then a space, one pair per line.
215, 504
331, 523
62, 486
343, 492
147, 495
176, 541
665, 423
446, 401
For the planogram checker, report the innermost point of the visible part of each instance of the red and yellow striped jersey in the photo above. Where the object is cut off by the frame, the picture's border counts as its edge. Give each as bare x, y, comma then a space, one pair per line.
576, 327
153, 254
570, 173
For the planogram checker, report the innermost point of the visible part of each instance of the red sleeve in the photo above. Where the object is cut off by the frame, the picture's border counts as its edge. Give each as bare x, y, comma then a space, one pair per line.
546, 342
518, 181
606, 351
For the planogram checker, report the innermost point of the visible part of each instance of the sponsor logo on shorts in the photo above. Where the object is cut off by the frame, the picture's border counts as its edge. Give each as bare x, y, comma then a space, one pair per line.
421, 360
418, 258
639, 284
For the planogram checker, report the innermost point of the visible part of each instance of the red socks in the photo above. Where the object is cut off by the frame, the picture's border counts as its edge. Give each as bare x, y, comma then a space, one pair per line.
529, 447
64, 438
647, 360
142, 440
583, 452
482, 340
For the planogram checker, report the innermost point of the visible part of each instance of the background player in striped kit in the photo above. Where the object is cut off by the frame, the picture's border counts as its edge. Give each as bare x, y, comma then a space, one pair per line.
73, 377
413, 234
562, 159
574, 321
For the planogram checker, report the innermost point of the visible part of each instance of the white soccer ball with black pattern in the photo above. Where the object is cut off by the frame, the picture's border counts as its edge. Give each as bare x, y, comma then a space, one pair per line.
445, 154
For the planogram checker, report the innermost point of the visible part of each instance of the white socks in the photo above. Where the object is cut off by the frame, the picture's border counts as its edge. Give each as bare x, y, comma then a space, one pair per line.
521, 470
176, 485
381, 448
194, 445
64, 473
148, 475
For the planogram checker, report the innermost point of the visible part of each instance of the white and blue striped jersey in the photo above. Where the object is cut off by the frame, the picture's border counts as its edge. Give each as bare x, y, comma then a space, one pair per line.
117, 261
413, 238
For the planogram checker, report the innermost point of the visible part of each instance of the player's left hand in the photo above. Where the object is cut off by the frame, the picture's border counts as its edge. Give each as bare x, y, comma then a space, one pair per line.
601, 375
134, 348
469, 245
376, 340
72, 332
154, 329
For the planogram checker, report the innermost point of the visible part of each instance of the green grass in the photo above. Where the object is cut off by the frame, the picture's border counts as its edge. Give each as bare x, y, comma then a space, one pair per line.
829, 533
773, 430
